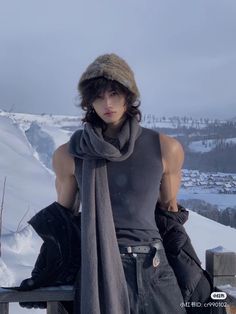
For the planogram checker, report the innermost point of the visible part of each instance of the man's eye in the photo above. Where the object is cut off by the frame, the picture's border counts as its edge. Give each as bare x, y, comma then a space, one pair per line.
113, 93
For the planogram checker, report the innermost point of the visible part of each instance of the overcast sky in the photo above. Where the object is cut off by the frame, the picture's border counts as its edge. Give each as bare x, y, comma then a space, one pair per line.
183, 52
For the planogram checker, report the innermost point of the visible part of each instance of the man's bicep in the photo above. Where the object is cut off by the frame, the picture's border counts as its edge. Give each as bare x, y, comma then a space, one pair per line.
66, 185
66, 191
173, 157
169, 188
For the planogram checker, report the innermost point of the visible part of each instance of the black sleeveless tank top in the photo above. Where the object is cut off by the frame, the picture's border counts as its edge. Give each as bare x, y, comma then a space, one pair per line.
134, 189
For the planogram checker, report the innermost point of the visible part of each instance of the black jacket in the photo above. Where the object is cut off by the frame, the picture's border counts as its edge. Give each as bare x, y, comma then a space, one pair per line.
179, 250
60, 256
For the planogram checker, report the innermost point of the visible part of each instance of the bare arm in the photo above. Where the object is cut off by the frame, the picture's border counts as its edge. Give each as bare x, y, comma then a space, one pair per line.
172, 159
66, 185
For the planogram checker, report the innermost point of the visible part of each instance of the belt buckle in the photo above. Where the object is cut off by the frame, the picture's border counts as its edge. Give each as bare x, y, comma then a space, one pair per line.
129, 249
155, 260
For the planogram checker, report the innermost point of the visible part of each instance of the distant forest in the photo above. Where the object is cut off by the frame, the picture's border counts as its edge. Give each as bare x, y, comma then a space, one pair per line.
226, 217
219, 159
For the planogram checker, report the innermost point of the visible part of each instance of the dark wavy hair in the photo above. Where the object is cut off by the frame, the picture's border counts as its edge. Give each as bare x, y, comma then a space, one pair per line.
92, 88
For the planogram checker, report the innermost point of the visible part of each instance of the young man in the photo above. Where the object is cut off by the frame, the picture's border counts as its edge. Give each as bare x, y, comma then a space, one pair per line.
127, 178
121, 170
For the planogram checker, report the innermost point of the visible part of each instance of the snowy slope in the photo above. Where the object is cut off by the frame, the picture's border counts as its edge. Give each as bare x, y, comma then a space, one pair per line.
25, 119
29, 184
207, 234
58, 135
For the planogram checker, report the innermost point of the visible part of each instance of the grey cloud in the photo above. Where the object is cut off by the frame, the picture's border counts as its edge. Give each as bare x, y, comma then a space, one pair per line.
183, 52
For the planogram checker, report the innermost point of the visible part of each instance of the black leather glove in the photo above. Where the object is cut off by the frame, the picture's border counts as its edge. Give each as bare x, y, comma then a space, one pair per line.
27, 285
33, 305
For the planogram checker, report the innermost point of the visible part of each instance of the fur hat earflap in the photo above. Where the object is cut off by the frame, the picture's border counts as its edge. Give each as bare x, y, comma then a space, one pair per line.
112, 67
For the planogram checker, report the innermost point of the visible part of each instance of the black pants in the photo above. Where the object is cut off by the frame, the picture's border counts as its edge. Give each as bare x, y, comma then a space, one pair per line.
152, 290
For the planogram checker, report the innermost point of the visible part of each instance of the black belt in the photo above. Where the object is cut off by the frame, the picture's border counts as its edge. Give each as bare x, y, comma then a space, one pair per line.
144, 249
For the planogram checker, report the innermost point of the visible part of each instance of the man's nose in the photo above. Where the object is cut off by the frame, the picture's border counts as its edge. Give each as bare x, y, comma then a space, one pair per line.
108, 101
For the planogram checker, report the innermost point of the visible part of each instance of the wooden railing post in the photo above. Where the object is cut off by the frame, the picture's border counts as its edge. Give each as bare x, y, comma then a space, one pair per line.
4, 308
221, 264
55, 308
54, 296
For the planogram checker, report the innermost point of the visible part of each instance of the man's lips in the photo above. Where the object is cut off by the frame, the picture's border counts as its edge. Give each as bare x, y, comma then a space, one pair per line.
109, 113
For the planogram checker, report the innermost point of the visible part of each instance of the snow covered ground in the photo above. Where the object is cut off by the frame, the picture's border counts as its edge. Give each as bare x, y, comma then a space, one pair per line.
25, 119
221, 200
29, 184
30, 187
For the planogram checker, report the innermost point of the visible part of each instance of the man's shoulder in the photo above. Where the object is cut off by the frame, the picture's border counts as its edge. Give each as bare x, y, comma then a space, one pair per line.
62, 160
172, 152
62, 151
170, 144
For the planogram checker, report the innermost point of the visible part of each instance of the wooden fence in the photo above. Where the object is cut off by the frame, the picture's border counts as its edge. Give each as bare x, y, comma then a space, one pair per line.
221, 264
51, 295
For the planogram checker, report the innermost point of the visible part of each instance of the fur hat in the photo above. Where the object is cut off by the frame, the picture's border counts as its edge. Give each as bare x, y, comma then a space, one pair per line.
112, 67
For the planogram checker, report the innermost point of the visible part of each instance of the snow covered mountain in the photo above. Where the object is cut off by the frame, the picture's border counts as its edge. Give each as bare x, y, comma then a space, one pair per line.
29, 184
30, 187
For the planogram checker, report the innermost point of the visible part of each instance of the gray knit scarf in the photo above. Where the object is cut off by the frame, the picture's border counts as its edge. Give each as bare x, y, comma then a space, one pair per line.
103, 285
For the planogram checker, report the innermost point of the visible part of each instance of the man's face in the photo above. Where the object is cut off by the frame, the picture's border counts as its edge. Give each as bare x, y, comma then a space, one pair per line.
110, 107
